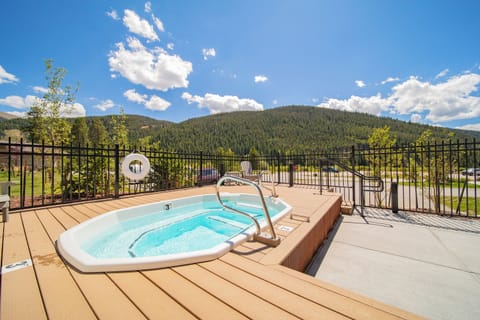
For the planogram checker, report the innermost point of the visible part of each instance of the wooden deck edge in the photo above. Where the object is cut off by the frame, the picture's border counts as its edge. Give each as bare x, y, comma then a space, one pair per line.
348, 293
298, 248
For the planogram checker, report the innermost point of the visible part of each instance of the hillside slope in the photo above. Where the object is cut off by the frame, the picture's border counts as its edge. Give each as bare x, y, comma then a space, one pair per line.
291, 128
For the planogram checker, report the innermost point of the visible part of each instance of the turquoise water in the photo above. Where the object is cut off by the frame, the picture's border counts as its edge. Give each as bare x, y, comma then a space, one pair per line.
177, 230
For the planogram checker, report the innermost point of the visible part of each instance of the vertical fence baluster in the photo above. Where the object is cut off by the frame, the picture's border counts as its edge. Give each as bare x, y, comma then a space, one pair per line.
442, 187
117, 170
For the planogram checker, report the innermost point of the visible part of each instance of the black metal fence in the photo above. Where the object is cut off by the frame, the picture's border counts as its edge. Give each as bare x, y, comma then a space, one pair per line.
439, 178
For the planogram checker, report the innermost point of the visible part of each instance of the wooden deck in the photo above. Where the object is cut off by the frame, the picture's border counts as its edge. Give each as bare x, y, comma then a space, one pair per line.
251, 282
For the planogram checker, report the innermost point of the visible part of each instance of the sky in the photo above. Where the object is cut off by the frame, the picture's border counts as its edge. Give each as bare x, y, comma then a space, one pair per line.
413, 60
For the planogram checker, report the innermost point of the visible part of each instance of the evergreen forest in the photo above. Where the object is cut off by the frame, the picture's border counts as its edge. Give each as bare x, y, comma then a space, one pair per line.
290, 129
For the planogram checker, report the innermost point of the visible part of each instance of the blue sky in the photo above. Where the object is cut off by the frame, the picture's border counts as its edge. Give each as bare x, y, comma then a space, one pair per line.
174, 60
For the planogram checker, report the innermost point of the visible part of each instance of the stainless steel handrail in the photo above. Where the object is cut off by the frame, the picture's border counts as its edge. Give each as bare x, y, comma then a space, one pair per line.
274, 239
272, 189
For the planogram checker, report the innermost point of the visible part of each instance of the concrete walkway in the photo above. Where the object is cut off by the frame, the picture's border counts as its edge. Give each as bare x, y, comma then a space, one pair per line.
426, 264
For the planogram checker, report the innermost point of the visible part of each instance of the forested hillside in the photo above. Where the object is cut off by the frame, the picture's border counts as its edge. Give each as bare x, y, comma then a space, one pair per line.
293, 128
284, 129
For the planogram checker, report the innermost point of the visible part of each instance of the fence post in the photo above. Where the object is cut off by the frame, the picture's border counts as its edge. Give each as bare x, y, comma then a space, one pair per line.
117, 171
10, 162
353, 176
22, 186
278, 168
290, 175
320, 174
200, 171
394, 193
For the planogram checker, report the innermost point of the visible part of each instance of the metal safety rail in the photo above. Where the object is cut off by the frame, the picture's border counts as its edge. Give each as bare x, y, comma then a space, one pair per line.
366, 183
272, 239
272, 188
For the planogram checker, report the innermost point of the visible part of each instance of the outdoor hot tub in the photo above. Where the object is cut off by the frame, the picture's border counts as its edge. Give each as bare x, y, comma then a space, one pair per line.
166, 233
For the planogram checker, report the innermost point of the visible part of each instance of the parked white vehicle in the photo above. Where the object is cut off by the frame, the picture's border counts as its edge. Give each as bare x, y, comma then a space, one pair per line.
471, 172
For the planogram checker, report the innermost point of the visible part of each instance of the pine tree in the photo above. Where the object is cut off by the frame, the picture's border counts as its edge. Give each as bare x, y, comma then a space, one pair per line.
97, 133
80, 132
119, 134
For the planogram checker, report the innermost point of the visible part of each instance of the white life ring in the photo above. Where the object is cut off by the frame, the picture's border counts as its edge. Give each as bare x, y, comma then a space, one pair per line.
144, 165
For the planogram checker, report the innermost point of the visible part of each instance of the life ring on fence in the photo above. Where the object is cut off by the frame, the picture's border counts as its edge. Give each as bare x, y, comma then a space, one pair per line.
131, 173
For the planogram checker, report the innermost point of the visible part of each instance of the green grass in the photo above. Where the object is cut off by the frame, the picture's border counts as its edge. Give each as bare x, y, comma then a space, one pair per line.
37, 183
453, 201
454, 184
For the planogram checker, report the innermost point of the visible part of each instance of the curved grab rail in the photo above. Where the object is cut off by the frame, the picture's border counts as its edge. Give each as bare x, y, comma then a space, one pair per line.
373, 188
272, 188
274, 239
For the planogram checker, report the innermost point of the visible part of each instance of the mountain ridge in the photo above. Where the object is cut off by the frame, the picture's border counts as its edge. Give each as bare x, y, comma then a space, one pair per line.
283, 129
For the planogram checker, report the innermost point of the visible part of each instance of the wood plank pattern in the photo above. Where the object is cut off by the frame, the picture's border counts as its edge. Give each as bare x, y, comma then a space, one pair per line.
239, 285
54, 280
235, 296
291, 302
196, 300
20, 293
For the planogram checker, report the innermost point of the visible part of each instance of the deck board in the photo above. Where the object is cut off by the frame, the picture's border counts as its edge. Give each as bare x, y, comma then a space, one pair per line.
331, 300
236, 286
148, 297
77, 215
20, 293
102, 294
202, 304
291, 302
235, 296
54, 280
365, 300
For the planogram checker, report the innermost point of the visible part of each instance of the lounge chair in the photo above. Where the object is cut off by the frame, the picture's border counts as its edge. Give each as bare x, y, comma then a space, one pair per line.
4, 199
247, 172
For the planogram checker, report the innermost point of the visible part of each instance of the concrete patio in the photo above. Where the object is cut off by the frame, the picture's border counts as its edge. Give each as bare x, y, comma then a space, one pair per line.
426, 264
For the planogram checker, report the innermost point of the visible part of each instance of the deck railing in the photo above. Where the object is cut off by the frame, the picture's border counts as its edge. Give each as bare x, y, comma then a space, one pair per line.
439, 178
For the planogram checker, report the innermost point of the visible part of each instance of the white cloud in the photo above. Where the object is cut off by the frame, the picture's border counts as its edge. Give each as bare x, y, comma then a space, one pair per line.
74, 111
139, 26
155, 69
445, 101
170, 46
158, 23
17, 114
415, 118
157, 104
210, 52
442, 74
39, 89
105, 105
6, 77
453, 99
374, 105
148, 7
275, 102
18, 102
113, 14
474, 126
260, 78
218, 104
13, 101
360, 83
390, 79
134, 96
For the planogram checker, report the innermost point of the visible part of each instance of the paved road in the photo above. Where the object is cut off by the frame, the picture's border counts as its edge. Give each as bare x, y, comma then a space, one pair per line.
409, 198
